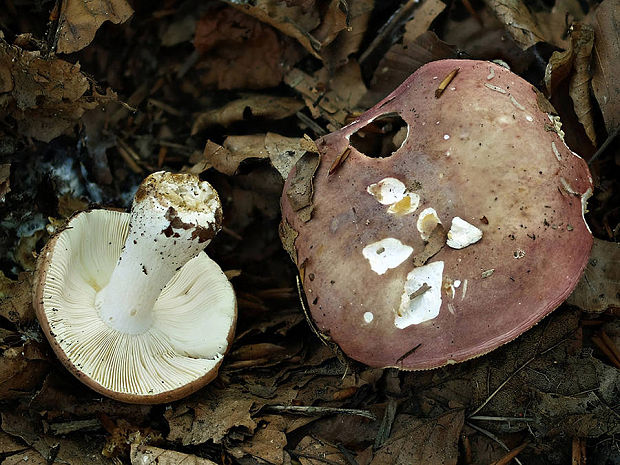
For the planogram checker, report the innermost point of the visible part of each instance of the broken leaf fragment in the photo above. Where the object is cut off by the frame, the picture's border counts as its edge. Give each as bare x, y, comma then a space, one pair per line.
79, 20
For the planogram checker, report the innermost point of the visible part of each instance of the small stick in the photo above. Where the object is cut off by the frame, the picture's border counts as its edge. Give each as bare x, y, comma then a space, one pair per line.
308, 410
493, 438
447, 80
505, 460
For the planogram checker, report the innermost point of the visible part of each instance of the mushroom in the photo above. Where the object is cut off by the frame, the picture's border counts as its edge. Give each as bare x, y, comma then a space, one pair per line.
130, 303
494, 241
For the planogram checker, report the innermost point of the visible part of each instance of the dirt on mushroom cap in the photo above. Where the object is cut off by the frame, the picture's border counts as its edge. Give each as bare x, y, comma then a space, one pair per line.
484, 152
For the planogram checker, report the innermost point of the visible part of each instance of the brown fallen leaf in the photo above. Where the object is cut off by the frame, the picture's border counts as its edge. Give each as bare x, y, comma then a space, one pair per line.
211, 418
268, 442
31, 457
22, 370
423, 16
430, 441
315, 451
598, 288
46, 96
401, 60
554, 24
248, 107
519, 21
575, 62
306, 26
149, 455
606, 62
239, 51
5, 182
349, 40
79, 20
16, 299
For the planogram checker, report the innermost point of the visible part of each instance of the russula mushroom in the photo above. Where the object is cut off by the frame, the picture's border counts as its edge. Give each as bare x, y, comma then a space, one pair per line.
493, 240
130, 303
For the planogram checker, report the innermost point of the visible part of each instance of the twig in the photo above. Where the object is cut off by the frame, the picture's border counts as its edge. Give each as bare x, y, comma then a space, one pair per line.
499, 388
308, 410
505, 460
318, 130
488, 418
493, 438
612, 135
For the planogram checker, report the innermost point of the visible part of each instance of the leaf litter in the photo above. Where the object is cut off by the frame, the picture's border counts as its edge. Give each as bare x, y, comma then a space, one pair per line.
237, 92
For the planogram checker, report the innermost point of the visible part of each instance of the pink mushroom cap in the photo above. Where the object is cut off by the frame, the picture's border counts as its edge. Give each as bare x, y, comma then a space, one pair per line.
462, 239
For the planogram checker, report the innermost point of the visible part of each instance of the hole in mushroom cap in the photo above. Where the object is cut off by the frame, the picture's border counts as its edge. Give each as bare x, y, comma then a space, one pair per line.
381, 137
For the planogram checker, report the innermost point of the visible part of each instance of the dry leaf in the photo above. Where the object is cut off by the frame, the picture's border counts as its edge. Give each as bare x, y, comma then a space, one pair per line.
579, 87
149, 455
5, 182
212, 418
300, 190
314, 451
241, 52
46, 96
310, 30
554, 24
518, 21
79, 20
16, 299
268, 442
22, 370
349, 40
423, 16
285, 151
606, 62
598, 289
428, 441
248, 107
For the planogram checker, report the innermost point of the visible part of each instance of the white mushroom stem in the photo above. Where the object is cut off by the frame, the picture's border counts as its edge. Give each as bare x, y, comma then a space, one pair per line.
173, 218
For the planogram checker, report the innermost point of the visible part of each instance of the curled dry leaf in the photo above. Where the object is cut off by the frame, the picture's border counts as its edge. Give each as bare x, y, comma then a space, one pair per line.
149, 455
22, 368
575, 62
606, 62
268, 442
46, 96
79, 20
519, 21
598, 289
247, 107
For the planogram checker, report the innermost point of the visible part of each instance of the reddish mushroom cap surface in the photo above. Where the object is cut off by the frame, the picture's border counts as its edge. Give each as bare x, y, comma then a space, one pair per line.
483, 168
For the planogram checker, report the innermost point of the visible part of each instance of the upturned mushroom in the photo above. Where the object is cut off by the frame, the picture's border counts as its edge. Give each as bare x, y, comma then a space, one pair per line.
130, 303
463, 238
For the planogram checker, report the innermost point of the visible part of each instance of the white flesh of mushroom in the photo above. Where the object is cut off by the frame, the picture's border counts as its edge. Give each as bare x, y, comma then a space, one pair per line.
386, 254
427, 222
415, 309
462, 234
387, 191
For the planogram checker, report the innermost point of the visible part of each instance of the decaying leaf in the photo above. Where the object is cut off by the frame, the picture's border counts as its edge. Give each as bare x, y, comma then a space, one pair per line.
239, 51
149, 455
575, 62
315, 451
268, 442
5, 183
248, 107
333, 97
518, 20
300, 190
22, 368
79, 20
46, 96
212, 418
422, 19
430, 441
554, 24
606, 62
598, 289
16, 299
306, 26
123, 435
403, 59
226, 158
288, 236
349, 40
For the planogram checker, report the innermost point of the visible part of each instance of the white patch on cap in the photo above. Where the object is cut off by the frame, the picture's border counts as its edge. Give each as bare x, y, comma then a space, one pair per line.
495, 88
427, 222
425, 306
462, 234
516, 104
368, 317
556, 152
408, 204
386, 254
387, 191
557, 126
491, 73
584, 206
